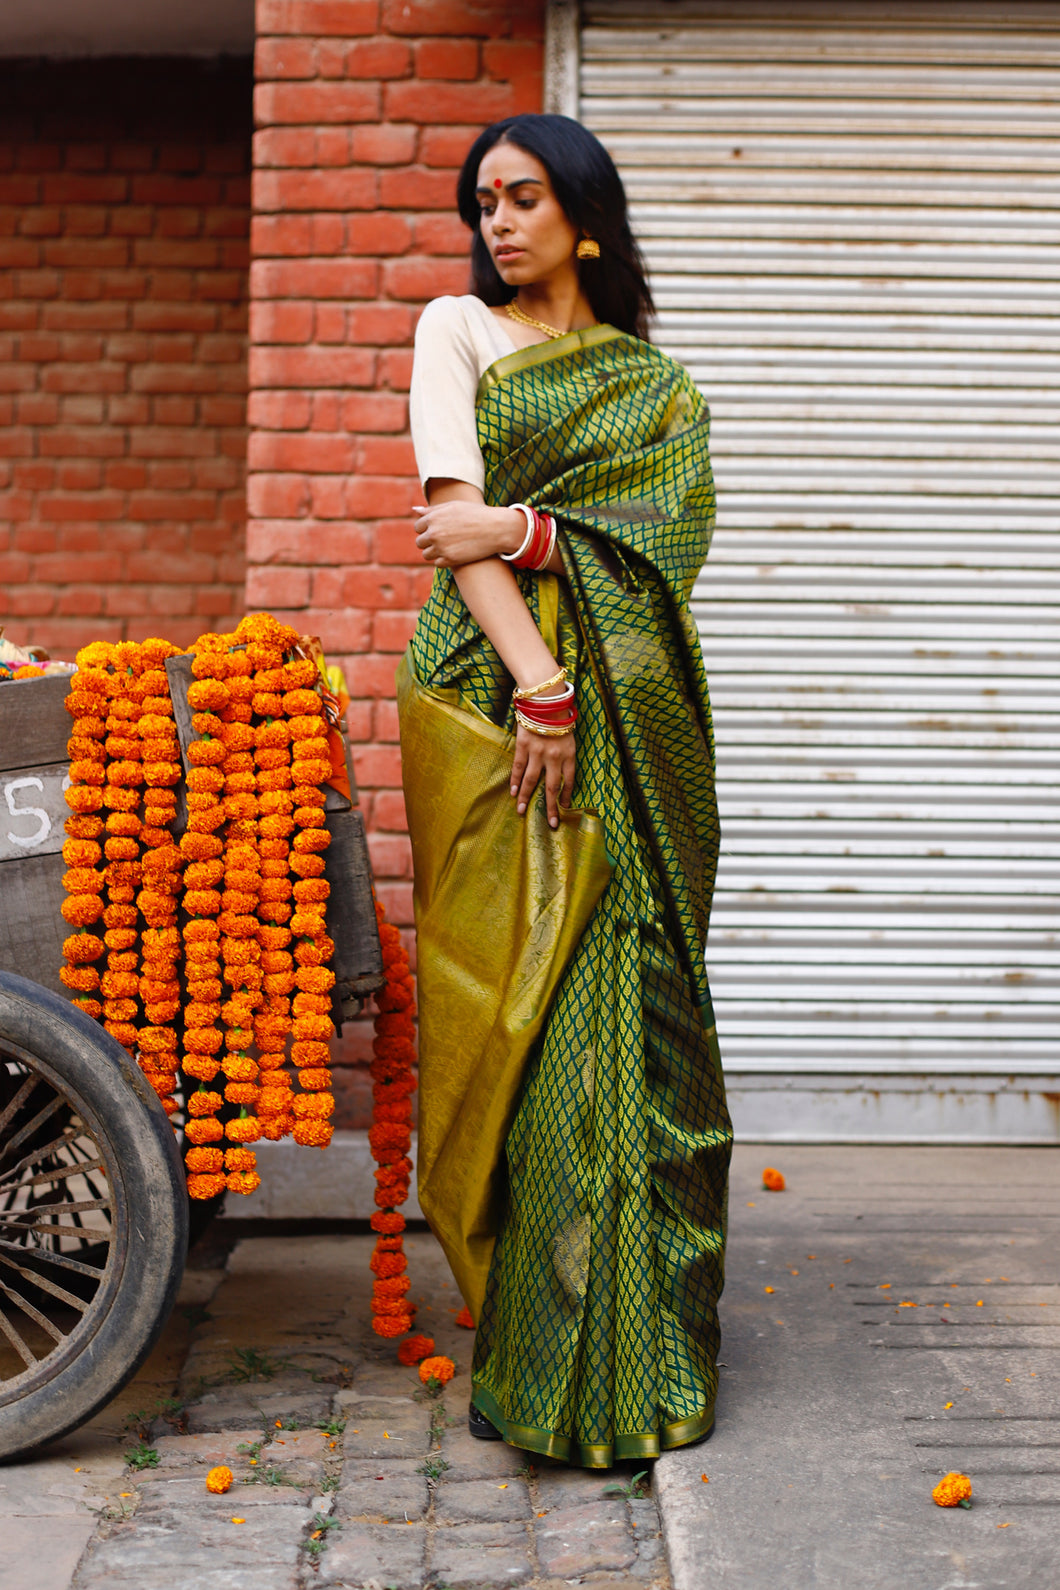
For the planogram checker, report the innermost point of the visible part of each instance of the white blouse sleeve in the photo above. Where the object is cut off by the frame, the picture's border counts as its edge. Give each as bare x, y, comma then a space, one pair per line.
445, 377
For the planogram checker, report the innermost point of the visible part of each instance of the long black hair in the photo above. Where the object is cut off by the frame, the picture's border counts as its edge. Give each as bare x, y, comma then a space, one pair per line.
592, 197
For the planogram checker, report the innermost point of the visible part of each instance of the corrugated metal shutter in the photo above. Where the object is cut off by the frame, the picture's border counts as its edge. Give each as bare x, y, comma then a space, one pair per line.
851, 213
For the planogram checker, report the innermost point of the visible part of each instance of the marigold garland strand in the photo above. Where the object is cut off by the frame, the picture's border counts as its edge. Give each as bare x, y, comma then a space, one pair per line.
390, 1137
256, 816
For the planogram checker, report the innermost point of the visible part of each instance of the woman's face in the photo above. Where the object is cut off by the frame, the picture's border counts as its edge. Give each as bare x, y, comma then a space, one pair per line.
523, 224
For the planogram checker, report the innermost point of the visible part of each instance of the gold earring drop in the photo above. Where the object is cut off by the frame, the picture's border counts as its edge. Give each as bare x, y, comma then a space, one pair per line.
588, 248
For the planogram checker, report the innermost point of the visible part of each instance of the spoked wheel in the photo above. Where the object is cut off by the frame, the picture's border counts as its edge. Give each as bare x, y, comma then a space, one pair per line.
93, 1216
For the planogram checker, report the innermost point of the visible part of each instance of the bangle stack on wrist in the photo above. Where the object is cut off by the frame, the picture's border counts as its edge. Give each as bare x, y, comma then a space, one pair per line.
550, 716
539, 543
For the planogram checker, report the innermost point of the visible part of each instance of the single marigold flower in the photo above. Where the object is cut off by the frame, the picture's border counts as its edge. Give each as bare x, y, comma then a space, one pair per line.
243, 1181
388, 1264
276, 1127
315, 953
203, 1103
772, 1180
204, 1160
440, 1369
239, 1158
464, 1319
415, 1349
953, 1490
242, 1093
207, 695
312, 1133
316, 1105
245, 1129
390, 1327
201, 1066
299, 673
387, 1222
204, 1129
219, 1480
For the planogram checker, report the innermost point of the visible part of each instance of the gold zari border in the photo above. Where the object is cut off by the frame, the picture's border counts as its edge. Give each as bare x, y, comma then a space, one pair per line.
542, 352
594, 1454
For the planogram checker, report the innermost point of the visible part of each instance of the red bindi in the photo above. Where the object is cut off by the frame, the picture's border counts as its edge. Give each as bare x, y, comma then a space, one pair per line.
497, 183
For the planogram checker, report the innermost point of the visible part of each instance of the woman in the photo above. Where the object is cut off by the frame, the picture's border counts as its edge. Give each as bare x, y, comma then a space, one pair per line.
574, 1138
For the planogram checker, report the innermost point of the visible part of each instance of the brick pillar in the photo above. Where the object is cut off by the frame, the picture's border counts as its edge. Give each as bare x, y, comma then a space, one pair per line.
365, 110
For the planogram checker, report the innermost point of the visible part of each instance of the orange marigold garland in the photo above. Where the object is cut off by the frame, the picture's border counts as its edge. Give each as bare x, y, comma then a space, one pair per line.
249, 871
390, 1137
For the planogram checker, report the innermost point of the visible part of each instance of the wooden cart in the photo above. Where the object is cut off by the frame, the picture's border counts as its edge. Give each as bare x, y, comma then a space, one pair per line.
94, 1216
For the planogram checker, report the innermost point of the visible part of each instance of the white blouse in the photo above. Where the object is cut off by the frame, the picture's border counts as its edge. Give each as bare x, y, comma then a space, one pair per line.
456, 340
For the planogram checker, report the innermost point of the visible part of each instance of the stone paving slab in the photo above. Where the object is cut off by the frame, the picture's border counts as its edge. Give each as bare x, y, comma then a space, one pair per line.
846, 1393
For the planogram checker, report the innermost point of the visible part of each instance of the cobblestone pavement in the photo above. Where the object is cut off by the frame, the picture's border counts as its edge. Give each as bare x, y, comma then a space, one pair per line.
347, 1472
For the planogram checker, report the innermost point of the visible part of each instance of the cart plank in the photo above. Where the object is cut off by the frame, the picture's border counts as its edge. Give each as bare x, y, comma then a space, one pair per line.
34, 724
32, 810
31, 928
358, 958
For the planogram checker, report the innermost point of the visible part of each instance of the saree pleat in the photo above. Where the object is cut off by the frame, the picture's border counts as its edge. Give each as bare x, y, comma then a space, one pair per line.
597, 1338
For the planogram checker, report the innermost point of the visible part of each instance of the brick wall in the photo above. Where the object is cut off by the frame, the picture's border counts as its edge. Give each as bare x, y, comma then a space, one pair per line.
124, 217
364, 111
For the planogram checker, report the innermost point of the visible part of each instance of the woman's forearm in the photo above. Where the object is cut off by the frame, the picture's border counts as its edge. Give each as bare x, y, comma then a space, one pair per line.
496, 603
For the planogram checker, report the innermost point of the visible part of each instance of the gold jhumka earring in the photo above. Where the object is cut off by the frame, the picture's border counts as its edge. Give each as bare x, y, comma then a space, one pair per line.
588, 248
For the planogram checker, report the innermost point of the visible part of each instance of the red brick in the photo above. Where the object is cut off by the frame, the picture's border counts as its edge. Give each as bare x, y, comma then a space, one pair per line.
328, 496
274, 320
388, 812
316, 102
67, 188
278, 496
341, 18
481, 18
181, 505
375, 673
442, 234
395, 369
279, 411
282, 587
294, 367
377, 58
387, 727
304, 543
280, 234
413, 188
370, 587
284, 146
385, 144
420, 279
452, 59
447, 102
309, 452
330, 323
377, 765
513, 60
351, 189
83, 476
342, 632
385, 455
391, 855
378, 324
393, 631
380, 496
376, 411
84, 317
332, 146
158, 188
67, 441
380, 234
284, 57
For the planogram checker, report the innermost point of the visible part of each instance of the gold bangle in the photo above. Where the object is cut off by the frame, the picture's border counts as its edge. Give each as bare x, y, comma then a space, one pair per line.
535, 690
539, 728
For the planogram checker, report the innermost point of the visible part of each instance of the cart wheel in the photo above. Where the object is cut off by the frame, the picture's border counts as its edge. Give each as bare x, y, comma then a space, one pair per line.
93, 1216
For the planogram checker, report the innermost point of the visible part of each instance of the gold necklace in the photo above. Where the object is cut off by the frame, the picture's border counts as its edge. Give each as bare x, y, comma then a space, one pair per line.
517, 313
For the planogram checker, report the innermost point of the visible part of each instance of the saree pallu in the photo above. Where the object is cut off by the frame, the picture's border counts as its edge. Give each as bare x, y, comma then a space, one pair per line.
600, 1259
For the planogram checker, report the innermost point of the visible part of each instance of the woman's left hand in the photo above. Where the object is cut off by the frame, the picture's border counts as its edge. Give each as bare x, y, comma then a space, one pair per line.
454, 533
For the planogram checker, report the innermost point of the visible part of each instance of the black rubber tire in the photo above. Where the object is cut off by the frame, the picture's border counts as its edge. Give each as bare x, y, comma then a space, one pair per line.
149, 1228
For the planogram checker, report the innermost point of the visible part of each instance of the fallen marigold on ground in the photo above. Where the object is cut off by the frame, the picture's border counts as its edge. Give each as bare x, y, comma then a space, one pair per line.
953, 1490
219, 1480
415, 1349
440, 1369
464, 1319
772, 1180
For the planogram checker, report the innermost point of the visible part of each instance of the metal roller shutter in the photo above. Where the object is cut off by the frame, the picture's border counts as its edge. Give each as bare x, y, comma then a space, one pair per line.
851, 213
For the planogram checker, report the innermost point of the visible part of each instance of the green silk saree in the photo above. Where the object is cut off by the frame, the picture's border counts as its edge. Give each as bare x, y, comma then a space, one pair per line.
574, 1145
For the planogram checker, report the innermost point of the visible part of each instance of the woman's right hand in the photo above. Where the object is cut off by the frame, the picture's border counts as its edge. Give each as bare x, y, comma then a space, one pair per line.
550, 755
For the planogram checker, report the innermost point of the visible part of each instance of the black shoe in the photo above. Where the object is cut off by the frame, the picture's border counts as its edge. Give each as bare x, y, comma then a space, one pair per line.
480, 1426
